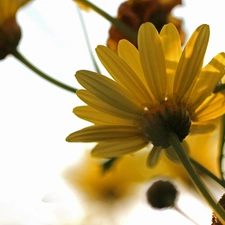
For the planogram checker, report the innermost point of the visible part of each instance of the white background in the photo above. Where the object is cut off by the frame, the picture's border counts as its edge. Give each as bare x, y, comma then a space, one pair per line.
36, 117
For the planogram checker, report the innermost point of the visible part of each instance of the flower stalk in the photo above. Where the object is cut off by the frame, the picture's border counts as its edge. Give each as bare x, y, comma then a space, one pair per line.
204, 170
22, 59
175, 143
131, 33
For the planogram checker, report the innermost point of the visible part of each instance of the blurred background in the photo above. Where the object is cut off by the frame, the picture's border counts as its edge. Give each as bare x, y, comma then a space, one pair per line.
36, 116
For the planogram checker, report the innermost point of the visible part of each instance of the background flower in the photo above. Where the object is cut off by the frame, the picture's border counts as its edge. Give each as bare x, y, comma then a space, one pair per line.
10, 32
134, 13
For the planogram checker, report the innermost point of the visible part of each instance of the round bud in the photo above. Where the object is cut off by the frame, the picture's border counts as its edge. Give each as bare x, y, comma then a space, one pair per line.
162, 194
10, 34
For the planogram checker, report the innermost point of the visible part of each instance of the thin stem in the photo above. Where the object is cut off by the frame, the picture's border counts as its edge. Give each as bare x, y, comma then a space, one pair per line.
131, 33
22, 59
222, 146
184, 214
218, 210
87, 40
207, 172
219, 88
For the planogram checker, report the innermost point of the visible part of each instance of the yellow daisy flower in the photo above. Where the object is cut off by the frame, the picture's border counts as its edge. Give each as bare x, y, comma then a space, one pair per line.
10, 32
156, 90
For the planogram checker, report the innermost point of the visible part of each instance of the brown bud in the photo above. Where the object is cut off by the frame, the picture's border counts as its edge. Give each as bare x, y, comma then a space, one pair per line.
10, 34
162, 194
135, 12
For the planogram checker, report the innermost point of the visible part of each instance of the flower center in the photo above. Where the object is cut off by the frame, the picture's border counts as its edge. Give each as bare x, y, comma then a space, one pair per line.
163, 119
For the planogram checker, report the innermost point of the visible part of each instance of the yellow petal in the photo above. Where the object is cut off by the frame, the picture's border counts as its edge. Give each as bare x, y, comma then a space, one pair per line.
108, 91
208, 79
129, 53
205, 148
191, 61
99, 118
201, 128
104, 133
116, 149
123, 74
171, 44
152, 60
211, 108
99, 105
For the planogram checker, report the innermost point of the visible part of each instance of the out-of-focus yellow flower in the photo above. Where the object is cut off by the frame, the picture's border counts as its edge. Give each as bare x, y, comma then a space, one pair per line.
206, 148
156, 90
108, 186
104, 194
10, 32
136, 12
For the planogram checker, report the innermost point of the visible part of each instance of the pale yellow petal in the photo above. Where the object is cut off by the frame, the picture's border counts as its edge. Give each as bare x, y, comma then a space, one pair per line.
211, 108
171, 44
152, 60
104, 133
201, 128
99, 105
205, 148
123, 74
108, 91
207, 80
119, 148
99, 118
154, 156
191, 61
129, 53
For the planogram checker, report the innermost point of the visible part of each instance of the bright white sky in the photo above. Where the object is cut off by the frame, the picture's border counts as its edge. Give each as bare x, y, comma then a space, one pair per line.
37, 116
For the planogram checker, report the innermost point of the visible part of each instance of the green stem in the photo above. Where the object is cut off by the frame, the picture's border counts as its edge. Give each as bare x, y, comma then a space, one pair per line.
207, 172
22, 59
87, 40
222, 146
184, 214
219, 88
130, 32
175, 143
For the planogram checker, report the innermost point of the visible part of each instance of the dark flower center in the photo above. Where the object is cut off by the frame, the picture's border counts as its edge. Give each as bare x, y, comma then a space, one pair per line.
163, 119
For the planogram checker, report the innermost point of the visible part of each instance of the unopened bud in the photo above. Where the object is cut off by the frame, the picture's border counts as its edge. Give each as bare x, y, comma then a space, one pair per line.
10, 34
162, 194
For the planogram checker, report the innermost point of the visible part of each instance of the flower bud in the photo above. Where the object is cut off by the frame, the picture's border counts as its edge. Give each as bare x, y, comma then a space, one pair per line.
10, 34
162, 194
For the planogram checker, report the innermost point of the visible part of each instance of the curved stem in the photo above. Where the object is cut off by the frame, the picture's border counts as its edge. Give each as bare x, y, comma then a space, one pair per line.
207, 172
131, 33
218, 210
22, 59
87, 40
221, 159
